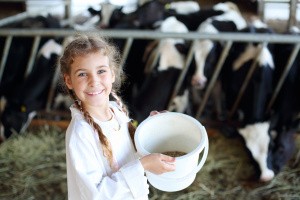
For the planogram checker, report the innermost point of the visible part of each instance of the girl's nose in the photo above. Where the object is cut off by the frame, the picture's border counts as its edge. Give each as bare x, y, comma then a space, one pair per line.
94, 80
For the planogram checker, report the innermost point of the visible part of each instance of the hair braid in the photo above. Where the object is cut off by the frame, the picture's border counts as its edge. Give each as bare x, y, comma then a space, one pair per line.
106, 147
119, 102
131, 127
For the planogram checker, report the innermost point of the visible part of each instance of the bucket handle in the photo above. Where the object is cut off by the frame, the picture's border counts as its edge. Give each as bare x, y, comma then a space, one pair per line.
201, 163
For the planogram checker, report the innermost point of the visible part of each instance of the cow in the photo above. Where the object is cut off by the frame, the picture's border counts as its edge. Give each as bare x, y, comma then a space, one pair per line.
285, 111
27, 98
157, 88
145, 16
192, 18
184, 7
230, 21
268, 135
14, 69
236, 67
150, 14
207, 52
272, 142
257, 140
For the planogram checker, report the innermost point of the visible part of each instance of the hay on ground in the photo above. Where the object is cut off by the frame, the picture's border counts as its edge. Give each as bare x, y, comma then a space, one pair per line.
32, 166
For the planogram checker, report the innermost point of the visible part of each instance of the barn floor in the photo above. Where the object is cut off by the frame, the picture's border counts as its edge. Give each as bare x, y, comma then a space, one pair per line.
32, 166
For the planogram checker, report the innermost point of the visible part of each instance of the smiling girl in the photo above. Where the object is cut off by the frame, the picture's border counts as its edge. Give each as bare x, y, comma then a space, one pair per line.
102, 162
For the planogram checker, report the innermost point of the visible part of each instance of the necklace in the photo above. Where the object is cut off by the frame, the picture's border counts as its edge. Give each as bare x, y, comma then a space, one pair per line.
114, 123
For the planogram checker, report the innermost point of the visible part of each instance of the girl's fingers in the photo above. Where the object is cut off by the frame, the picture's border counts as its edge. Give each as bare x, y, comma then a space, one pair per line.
153, 112
167, 158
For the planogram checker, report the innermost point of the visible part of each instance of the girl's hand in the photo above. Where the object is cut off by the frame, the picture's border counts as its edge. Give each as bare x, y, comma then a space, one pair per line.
155, 112
157, 163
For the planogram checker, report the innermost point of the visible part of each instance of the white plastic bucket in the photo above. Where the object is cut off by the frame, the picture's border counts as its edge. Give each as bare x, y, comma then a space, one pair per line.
173, 131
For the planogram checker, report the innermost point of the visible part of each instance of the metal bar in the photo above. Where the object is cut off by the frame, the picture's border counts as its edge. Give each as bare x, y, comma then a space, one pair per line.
293, 11
183, 72
214, 78
283, 76
52, 89
23, 15
54, 83
68, 11
247, 79
147, 34
34, 50
150, 67
5, 55
126, 50
14, 18
261, 9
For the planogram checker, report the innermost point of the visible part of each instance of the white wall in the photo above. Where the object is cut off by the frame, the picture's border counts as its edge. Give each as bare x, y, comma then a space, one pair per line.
279, 11
77, 6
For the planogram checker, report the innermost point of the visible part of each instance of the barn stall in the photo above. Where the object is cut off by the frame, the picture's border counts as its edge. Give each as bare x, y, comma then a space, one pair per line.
49, 115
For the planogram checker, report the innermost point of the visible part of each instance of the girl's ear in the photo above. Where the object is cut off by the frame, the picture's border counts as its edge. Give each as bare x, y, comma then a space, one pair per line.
113, 75
68, 81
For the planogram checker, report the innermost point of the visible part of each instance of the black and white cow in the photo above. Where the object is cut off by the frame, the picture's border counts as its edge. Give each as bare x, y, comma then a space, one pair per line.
150, 14
143, 17
207, 53
184, 7
190, 13
230, 21
237, 65
24, 92
156, 91
285, 118
20, 48
254, 122
272, 142
32, 94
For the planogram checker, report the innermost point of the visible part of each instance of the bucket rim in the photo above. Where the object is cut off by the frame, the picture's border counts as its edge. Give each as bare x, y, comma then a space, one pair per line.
197, 150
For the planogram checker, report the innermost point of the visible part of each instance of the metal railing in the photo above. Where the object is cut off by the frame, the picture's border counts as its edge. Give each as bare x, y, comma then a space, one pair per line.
129, 35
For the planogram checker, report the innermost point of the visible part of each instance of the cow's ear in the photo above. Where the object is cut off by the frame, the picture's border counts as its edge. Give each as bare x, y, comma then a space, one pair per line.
68, 81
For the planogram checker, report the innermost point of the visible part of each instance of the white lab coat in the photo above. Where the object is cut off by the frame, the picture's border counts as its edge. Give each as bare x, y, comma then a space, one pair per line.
89, 175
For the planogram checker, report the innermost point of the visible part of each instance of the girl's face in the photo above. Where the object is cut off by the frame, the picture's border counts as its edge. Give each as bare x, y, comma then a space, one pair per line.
91, 79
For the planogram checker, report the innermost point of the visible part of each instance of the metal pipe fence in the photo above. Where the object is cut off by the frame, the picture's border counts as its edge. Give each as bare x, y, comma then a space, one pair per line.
130, 35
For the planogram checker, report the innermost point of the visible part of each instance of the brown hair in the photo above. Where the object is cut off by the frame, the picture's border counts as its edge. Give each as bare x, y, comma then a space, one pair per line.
83, 45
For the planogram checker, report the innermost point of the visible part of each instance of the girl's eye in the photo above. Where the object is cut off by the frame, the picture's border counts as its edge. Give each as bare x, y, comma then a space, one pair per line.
82, 74
101, 71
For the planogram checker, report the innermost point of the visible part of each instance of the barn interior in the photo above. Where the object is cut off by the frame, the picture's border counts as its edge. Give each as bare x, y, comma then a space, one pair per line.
32, 159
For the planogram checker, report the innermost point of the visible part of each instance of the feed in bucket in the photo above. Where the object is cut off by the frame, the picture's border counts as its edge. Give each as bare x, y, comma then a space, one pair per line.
180, 135
174, 153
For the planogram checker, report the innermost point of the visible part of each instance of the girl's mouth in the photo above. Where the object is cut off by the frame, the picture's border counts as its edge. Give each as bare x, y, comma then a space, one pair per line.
94, 93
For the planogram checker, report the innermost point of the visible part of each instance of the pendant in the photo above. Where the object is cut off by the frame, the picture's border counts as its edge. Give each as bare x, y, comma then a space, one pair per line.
115, 125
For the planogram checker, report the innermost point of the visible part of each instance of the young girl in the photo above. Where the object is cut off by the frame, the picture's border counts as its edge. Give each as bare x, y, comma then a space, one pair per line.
101, 159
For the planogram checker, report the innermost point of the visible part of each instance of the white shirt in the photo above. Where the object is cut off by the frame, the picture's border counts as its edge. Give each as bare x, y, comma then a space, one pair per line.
89, 175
